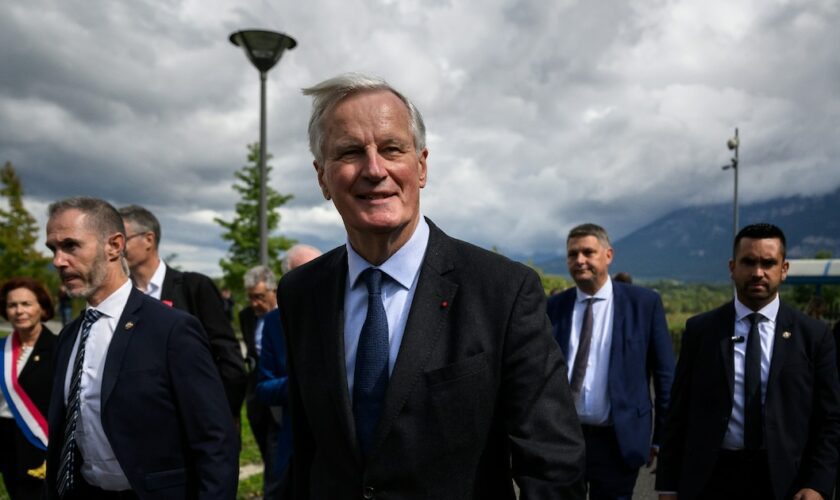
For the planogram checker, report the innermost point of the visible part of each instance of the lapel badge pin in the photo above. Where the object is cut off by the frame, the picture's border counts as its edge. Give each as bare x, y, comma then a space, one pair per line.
129, 325
36, 358
786, 335
444, 304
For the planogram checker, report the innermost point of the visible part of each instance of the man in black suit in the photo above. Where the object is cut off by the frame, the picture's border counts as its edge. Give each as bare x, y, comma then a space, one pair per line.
617, 337
261, 289
191, 292
137, 408
755, 405
419, 366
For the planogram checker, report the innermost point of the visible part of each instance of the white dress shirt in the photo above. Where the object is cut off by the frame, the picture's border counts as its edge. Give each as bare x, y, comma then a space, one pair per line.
99, 465
155, 286
402, 269
734, 437
594, 405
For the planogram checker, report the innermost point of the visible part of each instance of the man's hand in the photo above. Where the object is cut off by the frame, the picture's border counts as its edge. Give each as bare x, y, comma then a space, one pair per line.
806, 494
654, 451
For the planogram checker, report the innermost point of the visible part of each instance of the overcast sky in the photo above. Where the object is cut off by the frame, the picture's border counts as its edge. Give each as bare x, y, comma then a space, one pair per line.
540, 114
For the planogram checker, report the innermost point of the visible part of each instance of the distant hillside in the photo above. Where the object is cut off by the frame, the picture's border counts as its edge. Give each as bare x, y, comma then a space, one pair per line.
694, 244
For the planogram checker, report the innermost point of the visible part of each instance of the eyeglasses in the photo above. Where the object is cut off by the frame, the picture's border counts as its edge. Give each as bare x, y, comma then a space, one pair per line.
128, 238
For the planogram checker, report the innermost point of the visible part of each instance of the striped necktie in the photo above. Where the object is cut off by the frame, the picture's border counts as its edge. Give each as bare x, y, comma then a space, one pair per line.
68, 467
582, 356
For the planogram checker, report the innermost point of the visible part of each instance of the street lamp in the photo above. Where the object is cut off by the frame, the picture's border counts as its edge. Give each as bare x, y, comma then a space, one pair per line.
733, 145
264, 49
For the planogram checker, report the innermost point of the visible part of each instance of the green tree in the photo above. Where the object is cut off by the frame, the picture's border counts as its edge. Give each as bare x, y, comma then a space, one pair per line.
19, 234
243, 232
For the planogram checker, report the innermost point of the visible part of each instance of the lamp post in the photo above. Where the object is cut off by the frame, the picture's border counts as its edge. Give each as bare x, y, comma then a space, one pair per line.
733, 145
264, 49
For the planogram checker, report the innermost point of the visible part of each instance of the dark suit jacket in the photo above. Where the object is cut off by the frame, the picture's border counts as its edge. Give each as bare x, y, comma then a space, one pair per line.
247, 323
641, 348
36, 380
198, 295
163, 406
478, 394
273, 384
801, 409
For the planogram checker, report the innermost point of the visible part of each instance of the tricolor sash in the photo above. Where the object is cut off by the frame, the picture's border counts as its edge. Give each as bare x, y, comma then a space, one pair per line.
27, 416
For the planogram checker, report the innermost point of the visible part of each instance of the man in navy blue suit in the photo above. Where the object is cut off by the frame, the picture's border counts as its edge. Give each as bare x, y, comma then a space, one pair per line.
615, 338
273, 384
137, 409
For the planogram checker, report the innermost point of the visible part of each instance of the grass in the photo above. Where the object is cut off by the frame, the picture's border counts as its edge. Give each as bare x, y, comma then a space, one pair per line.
249, 488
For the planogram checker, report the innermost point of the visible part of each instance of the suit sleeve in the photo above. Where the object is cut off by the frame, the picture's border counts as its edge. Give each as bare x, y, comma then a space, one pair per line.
671, 452
819, 461
227, 355
547, 447
303, 442
272, 381
660, 366
202, 406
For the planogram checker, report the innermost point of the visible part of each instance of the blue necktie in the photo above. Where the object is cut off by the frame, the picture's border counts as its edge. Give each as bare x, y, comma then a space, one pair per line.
68, 468
371, 376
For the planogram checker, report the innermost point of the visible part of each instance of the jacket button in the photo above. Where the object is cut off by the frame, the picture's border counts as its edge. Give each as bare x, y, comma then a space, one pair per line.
368, 493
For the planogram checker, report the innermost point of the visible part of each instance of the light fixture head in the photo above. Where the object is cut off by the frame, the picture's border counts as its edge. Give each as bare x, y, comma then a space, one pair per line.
732, 143
263, 48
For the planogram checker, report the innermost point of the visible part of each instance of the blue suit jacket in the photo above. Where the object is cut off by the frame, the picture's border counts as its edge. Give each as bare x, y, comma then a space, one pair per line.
164, 409
641, 348
272, 382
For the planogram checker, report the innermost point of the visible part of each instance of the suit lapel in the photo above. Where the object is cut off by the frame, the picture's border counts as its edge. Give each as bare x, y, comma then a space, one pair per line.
119, 343
330, 324
427, 321
64, 348
619, 337
564, 326
781, 344
42, 347
726, 327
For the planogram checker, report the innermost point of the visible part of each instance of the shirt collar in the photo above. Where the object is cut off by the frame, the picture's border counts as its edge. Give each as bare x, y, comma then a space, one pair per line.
603, 293
403, 266
156, 283
769, 311
114, 304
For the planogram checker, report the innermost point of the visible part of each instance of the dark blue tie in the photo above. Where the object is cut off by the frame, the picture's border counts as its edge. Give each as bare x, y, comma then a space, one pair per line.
68, 468
753, 425
371, 376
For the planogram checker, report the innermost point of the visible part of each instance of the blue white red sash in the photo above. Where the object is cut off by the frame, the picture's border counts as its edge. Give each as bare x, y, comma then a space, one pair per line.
27, 416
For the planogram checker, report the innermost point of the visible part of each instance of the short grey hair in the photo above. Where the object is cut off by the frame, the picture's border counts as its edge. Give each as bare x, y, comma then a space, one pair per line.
101, 216
297, 253
260, 274
328, 93
590, 229
143, 220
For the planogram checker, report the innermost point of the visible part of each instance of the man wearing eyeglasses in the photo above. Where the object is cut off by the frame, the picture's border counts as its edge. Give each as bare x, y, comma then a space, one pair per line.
191, 292
261, 288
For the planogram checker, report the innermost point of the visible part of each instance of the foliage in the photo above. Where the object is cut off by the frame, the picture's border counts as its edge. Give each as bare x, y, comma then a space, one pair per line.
243, 232
19, 234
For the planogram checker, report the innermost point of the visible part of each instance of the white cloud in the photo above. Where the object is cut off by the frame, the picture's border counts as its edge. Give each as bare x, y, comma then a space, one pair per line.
540, 115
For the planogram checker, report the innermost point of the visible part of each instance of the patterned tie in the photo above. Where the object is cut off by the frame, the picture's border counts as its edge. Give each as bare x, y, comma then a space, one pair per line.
752, 387
68, 468
371, 376
582, 356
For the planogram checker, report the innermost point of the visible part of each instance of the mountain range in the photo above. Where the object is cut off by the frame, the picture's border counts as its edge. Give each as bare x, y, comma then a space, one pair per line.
694, 244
